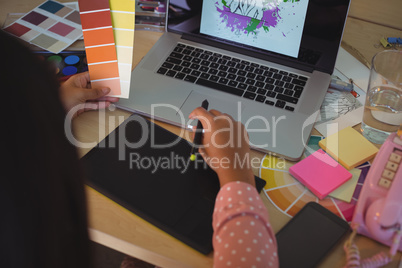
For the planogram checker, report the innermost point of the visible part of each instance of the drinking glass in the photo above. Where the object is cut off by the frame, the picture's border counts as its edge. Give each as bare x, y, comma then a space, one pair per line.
383, 106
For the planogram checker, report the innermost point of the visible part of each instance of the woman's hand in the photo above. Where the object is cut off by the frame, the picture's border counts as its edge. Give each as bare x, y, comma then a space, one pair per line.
77, 95
225, 146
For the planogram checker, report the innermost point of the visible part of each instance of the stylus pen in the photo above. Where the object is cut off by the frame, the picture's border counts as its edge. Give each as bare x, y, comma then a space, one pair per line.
198, 133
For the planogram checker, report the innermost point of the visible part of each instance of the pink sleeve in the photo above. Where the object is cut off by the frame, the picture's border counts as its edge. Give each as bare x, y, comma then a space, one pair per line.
242, 236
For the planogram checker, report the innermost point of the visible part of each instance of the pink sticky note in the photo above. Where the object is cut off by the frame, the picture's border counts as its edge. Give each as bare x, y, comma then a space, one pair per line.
320, 173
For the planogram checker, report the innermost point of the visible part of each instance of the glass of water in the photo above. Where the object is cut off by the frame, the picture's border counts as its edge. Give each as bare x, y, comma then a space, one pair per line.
383, 107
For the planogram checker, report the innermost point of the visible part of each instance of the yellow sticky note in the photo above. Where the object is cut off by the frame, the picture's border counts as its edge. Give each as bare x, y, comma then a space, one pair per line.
349, 148
346, 190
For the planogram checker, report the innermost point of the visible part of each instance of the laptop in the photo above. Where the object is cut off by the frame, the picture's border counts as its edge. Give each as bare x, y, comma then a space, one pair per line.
267, 64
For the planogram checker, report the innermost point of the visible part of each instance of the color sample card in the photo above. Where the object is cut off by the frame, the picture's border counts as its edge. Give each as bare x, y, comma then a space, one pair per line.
100, 44
51, 26
349, 147
320, 173
345, 191
123, 21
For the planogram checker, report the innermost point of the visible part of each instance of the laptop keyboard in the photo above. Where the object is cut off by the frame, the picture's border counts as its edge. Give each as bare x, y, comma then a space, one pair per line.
235, 76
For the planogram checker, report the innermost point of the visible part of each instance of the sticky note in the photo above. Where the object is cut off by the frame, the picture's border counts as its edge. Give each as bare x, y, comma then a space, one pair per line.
320, 173
346, 190
349, 147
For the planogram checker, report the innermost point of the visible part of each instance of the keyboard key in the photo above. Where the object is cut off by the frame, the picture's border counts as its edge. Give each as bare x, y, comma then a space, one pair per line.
288, 92
187, 58
287, 98
289, 86
283, 72
177, 68
185, 64
251, 75
298, 88
214, 78
226, 57
223, 68
242, 86
249, 95
222, 61
241, 72
271, 94
222, 74
180, 75
249, 81
231, 63
214, 65
205, 63
196, 60
279, 89
223, 80
171, 73
259, 71
240, 79
279, 83
269, 87
204, 56
233, 83
220, 87
269, 102
268, 74
303, 78
289, 108
217, 55
277, 76
231, 76
269, 81
249, 69
173, 60
298, 82
204, 69
261, 91
260, 98
205, 75
213, 71
273, 70
251, 88
176, 55
280, 104
186, 70
167, 65
232, 70
162, 70
195, 66
260, 78
259, 84
195, 73
286, 79
190, 78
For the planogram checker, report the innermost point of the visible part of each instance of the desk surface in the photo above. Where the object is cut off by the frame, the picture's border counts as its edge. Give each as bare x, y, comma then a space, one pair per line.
118, 228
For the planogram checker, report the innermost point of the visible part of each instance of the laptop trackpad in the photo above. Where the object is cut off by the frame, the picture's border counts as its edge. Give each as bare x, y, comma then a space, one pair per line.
228, 106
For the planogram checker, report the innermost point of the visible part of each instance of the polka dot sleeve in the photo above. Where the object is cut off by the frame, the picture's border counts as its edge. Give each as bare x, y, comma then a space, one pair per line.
243, 236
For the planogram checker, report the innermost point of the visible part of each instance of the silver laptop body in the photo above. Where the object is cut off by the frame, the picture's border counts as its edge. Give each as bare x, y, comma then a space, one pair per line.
282, 131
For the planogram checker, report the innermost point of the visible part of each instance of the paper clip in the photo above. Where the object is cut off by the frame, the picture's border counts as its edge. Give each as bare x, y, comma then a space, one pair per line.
385, 43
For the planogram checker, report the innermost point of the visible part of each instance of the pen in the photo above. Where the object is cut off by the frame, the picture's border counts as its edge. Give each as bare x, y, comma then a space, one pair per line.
198, 133
341, 85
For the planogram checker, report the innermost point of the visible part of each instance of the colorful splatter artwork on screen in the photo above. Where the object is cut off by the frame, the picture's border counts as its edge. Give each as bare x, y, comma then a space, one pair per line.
275, 25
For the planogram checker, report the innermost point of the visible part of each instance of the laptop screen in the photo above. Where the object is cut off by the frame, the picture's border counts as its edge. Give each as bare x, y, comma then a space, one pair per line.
304, 34
274, 25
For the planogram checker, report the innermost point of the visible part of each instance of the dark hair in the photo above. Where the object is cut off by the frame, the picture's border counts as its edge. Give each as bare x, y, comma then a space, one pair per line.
42, 197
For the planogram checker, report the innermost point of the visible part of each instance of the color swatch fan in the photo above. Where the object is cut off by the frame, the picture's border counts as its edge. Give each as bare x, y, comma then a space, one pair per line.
109, 36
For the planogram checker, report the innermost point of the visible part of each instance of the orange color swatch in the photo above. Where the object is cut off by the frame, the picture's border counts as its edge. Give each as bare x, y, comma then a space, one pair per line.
100, 44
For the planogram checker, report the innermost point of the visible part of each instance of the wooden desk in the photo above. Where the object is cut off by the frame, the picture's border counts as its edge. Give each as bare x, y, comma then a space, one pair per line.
119, 229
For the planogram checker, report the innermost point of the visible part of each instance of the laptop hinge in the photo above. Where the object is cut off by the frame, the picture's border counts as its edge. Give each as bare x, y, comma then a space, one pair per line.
260, 55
